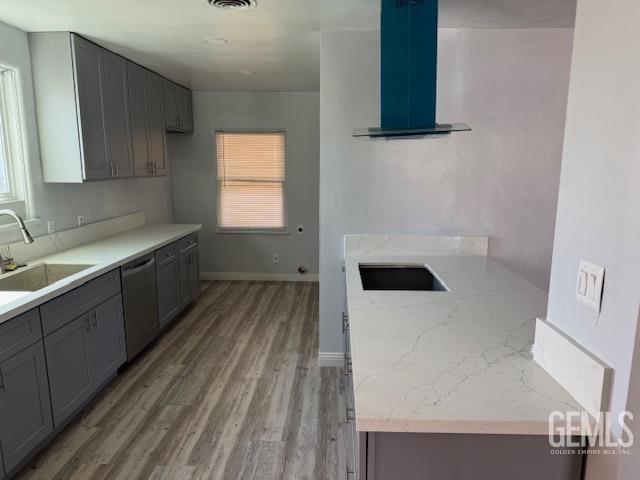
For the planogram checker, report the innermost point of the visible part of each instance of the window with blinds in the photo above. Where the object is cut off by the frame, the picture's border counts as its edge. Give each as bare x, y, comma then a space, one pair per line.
251, 180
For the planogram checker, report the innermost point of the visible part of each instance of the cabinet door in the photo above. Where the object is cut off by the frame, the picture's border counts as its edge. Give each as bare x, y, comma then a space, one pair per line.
184, 286
137, 79
168, 293
185, 114
105, 341
116, 107
88, 77
155, 115
171, 105
194, 274
25, 413
68, 365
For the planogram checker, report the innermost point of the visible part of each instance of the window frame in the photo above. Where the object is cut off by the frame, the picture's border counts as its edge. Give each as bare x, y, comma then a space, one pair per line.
13, 141
284, 230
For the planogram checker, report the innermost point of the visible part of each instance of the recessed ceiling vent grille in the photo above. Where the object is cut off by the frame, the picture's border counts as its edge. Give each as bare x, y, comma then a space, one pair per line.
233, 4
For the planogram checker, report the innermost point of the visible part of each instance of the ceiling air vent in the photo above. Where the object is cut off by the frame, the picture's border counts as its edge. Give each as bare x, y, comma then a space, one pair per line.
233, 4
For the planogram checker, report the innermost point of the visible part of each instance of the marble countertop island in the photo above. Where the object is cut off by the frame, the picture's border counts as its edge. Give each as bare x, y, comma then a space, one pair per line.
448, 362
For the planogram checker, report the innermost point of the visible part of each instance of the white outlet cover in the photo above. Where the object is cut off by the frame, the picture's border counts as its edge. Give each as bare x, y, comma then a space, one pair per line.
590, 285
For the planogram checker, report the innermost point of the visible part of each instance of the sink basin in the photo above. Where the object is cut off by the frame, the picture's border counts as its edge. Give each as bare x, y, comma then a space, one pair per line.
39, 276
399, 277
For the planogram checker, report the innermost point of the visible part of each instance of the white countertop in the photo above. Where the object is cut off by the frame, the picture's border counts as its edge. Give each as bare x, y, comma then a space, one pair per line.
104, 254
450, 362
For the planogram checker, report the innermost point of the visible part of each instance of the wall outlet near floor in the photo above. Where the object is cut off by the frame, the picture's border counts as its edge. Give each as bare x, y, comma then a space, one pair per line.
51, 226
80, 220
590, 285
275, 257
300, 229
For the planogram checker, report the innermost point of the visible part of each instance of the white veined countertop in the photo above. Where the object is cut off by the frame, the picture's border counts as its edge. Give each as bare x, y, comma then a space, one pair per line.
104, 255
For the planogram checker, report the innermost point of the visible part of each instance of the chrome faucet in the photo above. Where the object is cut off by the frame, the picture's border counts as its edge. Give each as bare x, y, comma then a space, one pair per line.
26, 236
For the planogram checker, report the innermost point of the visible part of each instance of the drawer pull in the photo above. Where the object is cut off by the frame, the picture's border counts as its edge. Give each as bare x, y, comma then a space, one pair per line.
94, 320
2, 384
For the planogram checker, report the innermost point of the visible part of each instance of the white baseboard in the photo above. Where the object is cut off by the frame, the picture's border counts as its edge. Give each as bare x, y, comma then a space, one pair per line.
331, 359
263, 277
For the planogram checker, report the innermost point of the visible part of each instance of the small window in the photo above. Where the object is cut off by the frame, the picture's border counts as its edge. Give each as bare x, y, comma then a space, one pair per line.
11, 146
251, 181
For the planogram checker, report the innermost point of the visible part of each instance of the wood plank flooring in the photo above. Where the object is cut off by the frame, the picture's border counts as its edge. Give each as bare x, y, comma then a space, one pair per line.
231, 391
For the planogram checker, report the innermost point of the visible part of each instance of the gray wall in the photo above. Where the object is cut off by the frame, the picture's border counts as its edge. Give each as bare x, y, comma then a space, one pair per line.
62, 203
194, 179
599, 196
500, 180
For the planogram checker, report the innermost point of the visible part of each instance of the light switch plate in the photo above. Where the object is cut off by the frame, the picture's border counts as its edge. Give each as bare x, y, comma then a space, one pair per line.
590, 285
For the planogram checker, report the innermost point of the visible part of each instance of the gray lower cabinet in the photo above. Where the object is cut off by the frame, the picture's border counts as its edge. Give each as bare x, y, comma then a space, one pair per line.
83, 355
188, 275
68, 364
25, 413
106, 340
168, 292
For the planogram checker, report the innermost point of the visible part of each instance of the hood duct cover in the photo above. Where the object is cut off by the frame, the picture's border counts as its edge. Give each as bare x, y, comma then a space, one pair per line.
409, 60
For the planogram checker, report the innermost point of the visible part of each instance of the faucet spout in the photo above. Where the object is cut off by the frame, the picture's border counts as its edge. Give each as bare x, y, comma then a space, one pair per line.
26, 236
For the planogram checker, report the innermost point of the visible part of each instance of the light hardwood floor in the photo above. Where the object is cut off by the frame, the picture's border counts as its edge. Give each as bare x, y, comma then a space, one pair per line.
231, 391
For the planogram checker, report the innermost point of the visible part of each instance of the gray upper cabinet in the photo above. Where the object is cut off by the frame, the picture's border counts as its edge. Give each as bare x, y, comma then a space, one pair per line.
88, 71
137, 78
147, 120
116, 108
155, 115
25, 412
171, 105
114, 125
178, 111
185, 113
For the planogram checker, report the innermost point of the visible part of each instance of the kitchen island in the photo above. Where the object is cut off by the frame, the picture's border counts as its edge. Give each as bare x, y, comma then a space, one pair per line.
444, 381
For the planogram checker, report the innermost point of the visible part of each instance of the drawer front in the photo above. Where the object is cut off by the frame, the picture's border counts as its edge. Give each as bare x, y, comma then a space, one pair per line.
186, 242
166, 254
60, 311
19, 333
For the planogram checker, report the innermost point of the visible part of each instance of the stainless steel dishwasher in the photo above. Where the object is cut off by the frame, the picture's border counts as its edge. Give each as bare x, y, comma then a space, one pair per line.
140, 303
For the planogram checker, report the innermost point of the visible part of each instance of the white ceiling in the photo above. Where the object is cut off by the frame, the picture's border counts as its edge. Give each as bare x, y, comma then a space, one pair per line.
274, 47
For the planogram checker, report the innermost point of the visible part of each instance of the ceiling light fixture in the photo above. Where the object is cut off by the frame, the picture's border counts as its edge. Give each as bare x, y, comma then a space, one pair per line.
219, 41
233, 4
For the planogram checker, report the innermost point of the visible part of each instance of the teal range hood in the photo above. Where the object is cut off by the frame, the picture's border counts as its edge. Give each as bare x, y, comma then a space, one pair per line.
409, 59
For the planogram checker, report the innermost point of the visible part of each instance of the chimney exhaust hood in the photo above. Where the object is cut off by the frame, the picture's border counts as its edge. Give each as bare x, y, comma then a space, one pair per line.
409, 59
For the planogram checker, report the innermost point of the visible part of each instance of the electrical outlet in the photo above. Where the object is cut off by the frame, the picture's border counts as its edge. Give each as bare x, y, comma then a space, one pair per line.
80, 220
276, 258
5, 251
51, 227
300, 229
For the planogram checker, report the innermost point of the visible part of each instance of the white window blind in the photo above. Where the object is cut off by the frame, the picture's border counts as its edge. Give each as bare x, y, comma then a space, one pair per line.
251, 180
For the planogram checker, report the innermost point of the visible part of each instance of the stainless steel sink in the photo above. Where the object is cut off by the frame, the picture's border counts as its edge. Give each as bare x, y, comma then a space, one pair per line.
39, 276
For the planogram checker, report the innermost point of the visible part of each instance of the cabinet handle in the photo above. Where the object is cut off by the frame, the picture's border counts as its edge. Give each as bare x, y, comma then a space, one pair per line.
349, 414
2, 384
350, 474
94, 320
88, 324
